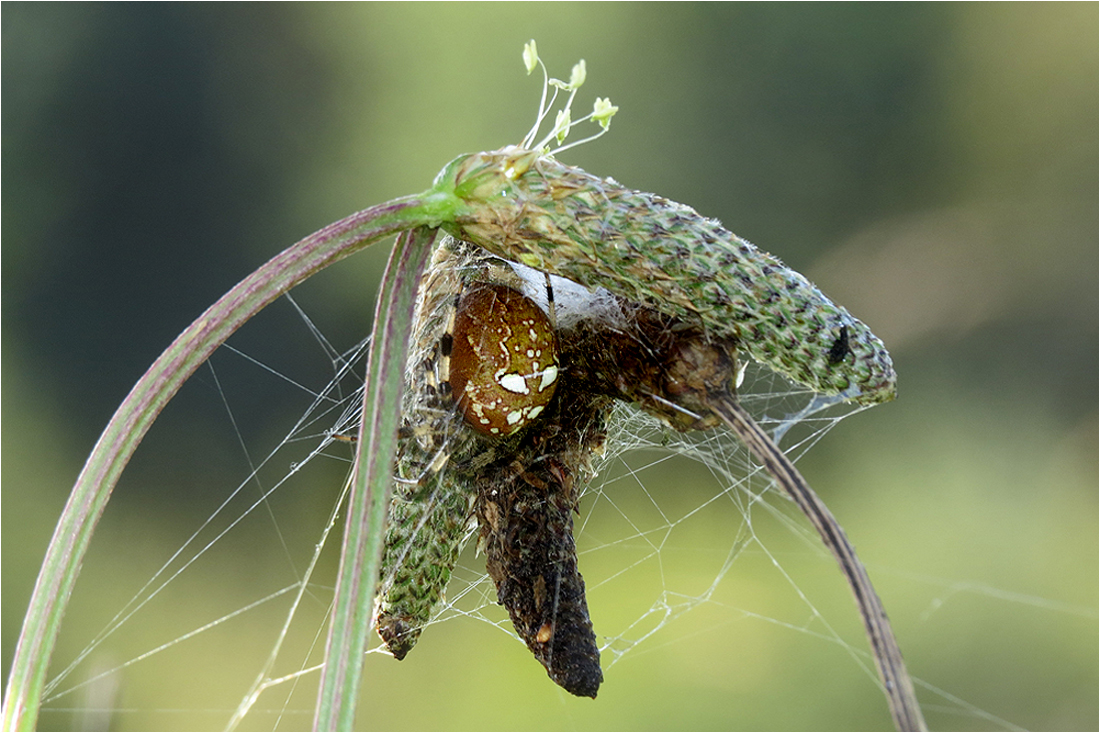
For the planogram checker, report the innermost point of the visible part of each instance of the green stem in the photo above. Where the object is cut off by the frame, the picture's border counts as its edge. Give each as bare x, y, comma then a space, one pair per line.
370, 490
136, 414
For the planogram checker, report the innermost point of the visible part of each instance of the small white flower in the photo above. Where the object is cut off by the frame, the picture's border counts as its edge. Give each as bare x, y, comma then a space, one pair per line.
561, 126
603, 111
577, 77
530, 56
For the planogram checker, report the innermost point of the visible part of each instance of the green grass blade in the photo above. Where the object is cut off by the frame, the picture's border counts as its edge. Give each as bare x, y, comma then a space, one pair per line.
370, 492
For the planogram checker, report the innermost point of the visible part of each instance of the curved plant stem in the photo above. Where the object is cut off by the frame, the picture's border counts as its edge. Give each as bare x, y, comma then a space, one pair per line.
136, 414
371, 478
900, 695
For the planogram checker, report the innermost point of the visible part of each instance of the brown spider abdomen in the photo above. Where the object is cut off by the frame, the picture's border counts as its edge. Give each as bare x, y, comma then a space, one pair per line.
503, 362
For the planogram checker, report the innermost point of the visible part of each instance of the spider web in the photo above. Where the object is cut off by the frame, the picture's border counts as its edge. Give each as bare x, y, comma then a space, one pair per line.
667, 534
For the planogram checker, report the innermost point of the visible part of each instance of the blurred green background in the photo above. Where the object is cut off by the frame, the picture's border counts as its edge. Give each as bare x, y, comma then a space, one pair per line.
931, 167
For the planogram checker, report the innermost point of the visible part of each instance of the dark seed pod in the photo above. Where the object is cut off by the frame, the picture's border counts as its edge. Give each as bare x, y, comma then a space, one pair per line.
525, 511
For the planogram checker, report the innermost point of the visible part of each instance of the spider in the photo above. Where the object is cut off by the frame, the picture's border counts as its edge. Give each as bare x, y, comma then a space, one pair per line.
501, 359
